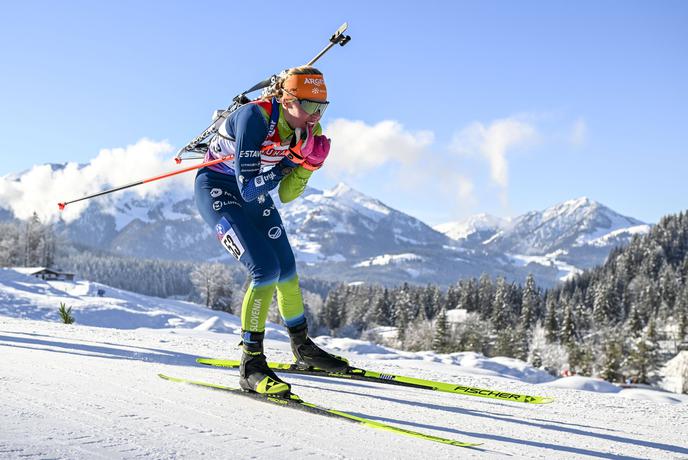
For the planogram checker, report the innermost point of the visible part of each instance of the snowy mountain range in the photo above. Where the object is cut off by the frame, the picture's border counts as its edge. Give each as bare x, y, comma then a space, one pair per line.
572, 235
342, 234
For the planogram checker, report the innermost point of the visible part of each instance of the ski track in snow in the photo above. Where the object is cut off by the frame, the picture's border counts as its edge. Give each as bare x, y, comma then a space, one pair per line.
85, 392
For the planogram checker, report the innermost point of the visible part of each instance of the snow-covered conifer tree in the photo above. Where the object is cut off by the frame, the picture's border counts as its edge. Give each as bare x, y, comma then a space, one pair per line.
502, 308
568, 324
643, 357
485, 296
331, 313
611, 357
551, 323
529, 303
441, 340
382, 310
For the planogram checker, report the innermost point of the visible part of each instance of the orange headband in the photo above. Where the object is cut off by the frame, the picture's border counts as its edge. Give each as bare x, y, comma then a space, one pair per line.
306, 87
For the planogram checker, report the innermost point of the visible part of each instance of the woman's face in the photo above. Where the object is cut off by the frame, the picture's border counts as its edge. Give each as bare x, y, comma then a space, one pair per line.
296, 116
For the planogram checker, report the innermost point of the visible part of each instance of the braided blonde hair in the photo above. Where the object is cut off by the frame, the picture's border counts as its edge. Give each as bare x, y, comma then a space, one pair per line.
276, 89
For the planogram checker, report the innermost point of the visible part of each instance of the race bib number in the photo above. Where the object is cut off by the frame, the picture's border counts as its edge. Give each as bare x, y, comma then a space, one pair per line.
232, 244
228, 238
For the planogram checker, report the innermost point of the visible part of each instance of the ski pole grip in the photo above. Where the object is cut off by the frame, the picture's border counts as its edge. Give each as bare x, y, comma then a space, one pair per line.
337, 37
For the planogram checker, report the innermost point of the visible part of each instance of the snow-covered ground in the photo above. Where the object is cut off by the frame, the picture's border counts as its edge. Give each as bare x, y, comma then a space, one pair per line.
90, 390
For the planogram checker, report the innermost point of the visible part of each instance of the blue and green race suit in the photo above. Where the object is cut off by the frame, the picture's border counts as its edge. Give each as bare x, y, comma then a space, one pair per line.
232, 197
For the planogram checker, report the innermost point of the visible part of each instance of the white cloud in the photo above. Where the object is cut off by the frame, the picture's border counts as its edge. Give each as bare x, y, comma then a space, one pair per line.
492, 142
358, 148
579, 132
460, 191
362, 150
464, 188
436, 177
41, 188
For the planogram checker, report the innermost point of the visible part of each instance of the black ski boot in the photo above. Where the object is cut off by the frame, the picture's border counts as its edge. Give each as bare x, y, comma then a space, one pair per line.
308, 354
255, 375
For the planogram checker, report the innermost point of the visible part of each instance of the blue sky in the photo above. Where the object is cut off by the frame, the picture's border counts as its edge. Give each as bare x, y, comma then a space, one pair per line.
439, 109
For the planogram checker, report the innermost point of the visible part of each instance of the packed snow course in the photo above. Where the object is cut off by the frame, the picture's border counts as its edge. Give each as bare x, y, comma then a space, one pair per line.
90, 390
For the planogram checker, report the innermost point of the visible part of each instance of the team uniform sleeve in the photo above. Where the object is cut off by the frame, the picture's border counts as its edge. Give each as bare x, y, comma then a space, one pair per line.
292, 186
251, 129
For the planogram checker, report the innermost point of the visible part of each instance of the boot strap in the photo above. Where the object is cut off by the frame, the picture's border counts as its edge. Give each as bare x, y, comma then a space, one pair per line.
252, 342
299, 329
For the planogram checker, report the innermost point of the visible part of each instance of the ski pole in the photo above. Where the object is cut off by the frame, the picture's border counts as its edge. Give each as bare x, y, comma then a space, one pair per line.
145, 181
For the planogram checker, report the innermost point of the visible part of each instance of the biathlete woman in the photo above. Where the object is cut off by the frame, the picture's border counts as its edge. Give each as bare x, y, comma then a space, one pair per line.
275, 141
